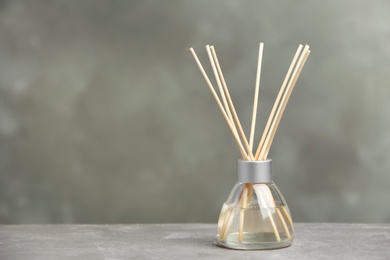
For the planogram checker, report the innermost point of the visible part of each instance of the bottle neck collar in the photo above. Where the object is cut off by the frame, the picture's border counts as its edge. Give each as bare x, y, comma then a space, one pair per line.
254, 171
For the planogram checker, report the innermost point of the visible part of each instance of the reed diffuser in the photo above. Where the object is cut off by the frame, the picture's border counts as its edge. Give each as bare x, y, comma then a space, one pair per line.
255, 215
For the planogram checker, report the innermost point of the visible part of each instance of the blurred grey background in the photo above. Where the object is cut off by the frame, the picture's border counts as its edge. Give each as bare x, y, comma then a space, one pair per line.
105, 118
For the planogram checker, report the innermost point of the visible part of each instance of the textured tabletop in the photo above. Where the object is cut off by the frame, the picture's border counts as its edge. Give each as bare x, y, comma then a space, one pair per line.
186, 241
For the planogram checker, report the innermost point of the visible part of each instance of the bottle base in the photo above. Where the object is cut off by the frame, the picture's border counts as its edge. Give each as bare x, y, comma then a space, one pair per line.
253, 241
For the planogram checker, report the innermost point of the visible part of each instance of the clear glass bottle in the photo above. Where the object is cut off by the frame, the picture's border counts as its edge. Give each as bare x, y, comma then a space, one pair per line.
255, 216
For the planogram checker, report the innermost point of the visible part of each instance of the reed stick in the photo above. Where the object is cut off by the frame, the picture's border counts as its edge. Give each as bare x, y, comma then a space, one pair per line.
213, 63
250, 192
287, 216
260, 195
223, 92
229, 219
272, 114
268, 195
274, 126
283, 223
235, 116
243, 198
242, 214
236, 137
217, 78
256, 96
226, 225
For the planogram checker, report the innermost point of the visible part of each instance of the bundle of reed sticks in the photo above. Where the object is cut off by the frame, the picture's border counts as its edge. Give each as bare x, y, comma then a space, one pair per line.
230, 115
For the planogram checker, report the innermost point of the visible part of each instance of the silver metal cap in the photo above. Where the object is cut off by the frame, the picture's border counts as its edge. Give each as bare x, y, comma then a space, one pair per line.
254, 171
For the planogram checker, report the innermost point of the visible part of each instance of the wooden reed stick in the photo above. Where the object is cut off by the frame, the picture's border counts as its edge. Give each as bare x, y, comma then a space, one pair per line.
288, 216
229, 219
227, 223
250, 192
248, 197
222, 92
249, 187
238, 123
283, 223
268, 195
260, 195
272, 114
256, 96
242, 214
274, 126
237, 138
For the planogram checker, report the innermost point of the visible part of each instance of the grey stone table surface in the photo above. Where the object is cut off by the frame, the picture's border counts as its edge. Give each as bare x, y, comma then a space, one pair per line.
186, 241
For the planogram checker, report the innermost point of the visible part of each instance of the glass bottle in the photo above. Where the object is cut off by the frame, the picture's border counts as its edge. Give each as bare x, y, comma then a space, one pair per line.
255, 216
